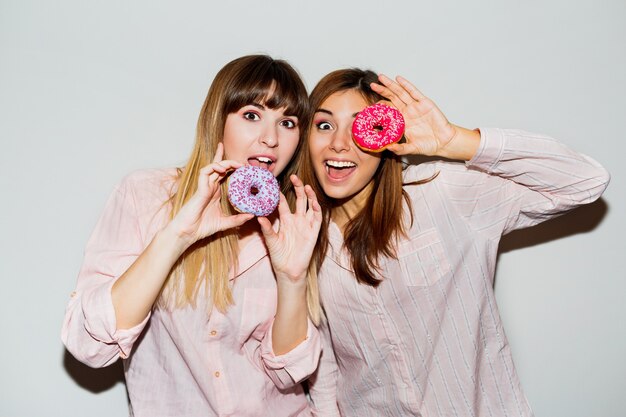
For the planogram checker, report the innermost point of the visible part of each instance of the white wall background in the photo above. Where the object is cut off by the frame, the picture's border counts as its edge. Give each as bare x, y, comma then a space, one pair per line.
92, 90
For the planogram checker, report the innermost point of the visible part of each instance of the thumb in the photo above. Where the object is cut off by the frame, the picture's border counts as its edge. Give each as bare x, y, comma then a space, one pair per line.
398, 148
236, 220
266, 228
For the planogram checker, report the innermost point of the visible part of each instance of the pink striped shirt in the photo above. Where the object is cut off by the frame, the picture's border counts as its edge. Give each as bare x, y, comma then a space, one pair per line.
184, 363
429, 340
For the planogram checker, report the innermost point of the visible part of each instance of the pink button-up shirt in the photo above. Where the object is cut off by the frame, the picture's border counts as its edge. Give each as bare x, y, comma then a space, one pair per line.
184, 362
429, 340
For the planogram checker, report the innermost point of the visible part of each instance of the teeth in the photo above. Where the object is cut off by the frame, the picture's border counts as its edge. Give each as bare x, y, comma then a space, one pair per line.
340, 164
264, 160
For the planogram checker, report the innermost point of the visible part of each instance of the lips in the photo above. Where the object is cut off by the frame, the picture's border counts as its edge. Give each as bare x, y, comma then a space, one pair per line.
339, 170
262, 161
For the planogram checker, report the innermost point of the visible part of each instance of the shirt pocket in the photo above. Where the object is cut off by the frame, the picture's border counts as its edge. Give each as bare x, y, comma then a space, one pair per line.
423, 260
258, 310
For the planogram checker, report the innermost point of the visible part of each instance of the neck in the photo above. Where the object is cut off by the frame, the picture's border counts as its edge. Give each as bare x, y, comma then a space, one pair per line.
348, 208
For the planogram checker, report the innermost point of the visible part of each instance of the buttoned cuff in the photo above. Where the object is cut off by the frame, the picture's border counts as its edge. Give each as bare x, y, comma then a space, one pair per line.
301, 361
489, 151
101, 323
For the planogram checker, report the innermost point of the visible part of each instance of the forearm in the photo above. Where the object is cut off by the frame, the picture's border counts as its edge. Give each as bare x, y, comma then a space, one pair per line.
541, 164
531, 178
291, 320
135, 292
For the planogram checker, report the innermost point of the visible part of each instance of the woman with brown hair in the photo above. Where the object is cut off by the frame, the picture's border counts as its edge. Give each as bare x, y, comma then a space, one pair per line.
406, 256
209, 310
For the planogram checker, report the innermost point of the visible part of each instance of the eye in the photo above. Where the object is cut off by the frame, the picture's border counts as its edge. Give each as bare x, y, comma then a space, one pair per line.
323, 126
250, 115
288, 123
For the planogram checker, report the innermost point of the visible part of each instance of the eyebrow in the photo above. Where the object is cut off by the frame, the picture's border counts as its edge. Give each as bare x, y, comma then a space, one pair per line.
331, 113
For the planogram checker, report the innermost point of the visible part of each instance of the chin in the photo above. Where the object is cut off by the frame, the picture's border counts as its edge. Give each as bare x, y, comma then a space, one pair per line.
336, 193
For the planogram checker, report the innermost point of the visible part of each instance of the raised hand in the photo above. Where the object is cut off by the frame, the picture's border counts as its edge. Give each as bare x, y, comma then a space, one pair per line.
202, 215
292, 246
427, 130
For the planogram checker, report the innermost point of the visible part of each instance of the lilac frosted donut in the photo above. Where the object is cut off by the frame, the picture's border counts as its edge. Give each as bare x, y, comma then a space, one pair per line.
253, 190
377, 126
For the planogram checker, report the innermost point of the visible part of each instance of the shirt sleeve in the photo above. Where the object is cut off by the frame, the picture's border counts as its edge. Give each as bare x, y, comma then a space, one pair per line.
294, 366
89, 329
531, 178
323, 383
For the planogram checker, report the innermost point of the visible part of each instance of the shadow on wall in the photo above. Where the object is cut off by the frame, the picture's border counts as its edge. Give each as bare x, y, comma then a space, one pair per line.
91, 379
581, 220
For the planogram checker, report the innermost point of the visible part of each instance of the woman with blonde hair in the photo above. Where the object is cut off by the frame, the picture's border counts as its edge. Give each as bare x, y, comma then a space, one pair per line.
406, 256
208, 309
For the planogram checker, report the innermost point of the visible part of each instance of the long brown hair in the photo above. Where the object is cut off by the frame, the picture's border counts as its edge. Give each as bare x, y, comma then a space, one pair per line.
246, 80
373, 232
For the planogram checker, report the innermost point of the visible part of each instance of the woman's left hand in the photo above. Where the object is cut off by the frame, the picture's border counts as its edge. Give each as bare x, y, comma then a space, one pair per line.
292, 246
427, 129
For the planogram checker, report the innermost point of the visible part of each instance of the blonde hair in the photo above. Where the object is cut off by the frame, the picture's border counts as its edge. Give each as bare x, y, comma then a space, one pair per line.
246, 80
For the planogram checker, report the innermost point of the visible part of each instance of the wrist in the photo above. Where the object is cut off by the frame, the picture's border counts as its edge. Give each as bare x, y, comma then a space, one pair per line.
291, 282
176, 241
462, 145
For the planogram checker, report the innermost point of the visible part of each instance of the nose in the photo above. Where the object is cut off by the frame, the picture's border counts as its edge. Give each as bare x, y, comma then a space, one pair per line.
269, 137
342, 140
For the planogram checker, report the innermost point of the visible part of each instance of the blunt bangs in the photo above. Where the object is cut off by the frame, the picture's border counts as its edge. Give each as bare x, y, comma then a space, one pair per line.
272, 84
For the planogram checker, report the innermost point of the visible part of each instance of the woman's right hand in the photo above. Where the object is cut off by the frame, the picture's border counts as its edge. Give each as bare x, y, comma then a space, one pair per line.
427, 131
291, 247
202, 215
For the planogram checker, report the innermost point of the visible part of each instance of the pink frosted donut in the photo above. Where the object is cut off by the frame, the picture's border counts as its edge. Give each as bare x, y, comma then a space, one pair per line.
253, 190
377, 126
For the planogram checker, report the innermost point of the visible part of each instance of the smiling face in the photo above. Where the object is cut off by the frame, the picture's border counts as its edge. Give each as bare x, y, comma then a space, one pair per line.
260, 136
342, 168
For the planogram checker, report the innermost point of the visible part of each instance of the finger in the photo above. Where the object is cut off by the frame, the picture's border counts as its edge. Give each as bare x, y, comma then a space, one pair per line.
266, 228
399, 148
386, 103
388, 94
412, 90
283, 207
315, 210
300, 194
219, 152
220, 166
206, 178
396, 88
214, 171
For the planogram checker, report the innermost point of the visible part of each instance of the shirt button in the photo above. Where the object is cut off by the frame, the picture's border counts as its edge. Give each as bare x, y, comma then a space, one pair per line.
379, 381
217, 374
213, 332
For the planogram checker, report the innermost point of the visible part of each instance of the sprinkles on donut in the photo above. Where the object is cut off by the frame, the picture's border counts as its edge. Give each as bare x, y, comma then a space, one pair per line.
253, 190
377, 126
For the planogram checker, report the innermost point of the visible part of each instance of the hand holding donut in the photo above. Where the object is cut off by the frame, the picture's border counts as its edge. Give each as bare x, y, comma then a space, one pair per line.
427, 130
202, 215
292, 246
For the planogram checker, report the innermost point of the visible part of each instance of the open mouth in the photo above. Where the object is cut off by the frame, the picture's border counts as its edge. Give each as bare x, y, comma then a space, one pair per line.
261, 162
338, 170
